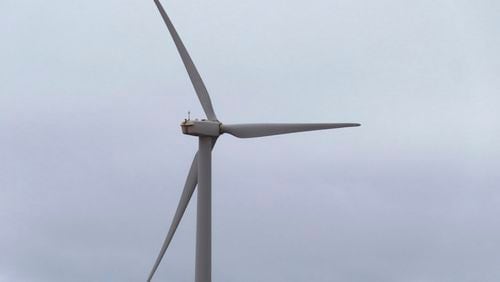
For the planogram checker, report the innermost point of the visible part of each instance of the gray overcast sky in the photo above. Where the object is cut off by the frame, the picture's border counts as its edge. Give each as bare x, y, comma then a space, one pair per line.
92, 160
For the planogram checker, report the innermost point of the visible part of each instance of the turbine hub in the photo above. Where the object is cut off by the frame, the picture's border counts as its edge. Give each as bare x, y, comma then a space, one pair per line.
201, 127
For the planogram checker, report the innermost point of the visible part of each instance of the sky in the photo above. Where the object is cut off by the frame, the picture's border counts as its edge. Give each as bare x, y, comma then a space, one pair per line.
92, 159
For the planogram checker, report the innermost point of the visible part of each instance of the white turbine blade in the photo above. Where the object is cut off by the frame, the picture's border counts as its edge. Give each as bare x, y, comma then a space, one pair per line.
191, 181
195, 77
251, 130
189, 186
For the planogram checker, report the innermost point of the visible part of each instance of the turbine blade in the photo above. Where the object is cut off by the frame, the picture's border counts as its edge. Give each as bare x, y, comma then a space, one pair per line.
195, 77
191, 181
251, 130
189, 186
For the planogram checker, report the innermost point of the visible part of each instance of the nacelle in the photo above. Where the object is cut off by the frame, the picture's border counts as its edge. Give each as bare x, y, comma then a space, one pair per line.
201, 128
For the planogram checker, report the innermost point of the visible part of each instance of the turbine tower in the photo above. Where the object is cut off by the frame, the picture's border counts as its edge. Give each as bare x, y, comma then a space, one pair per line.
200, 173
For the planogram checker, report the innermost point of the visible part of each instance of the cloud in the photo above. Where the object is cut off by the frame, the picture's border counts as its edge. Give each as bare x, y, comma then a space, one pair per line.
93, 161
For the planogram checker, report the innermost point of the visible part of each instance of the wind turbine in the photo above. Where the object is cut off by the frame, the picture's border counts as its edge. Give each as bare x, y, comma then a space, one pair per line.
200, 173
